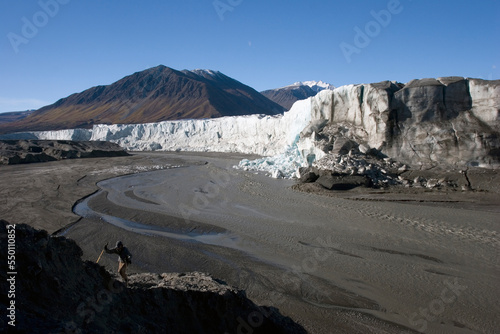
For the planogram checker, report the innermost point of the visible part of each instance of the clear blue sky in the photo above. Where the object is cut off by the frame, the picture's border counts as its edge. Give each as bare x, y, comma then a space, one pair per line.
264, 44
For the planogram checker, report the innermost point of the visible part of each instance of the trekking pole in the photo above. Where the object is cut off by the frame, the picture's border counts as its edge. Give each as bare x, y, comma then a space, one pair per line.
99, 257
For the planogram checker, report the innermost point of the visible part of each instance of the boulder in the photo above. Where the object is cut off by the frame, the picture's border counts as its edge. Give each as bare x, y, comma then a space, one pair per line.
327, 181
342, 181
308, 174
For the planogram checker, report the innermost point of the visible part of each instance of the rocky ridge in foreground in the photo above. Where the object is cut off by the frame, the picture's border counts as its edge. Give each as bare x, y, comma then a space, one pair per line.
27, 151
57, 292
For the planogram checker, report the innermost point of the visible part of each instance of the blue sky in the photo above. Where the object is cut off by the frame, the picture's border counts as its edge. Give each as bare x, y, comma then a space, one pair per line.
50, 49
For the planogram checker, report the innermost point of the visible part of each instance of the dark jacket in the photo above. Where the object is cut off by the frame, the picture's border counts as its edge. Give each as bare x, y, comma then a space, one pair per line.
124, 256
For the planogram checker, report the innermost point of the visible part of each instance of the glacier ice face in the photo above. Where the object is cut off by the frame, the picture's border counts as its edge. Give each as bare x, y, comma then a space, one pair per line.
253, 134
69, 134
448, 122
485, 97
443, 122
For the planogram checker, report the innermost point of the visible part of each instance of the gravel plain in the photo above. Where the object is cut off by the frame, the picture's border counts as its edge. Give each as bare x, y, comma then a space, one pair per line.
360, 261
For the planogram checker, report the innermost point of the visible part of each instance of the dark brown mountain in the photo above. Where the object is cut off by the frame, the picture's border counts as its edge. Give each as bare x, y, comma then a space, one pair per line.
156, 94
9, 117
288, 95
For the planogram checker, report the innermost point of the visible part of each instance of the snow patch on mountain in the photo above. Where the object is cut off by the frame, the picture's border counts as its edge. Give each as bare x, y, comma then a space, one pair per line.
316, 86
203, 72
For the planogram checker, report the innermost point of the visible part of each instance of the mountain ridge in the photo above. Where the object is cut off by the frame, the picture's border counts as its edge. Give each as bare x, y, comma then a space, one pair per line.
317, 86
286, 96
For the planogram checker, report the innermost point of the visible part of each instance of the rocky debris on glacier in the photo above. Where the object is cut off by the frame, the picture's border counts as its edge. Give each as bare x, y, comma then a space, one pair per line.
28, 151
356, 169
57, 292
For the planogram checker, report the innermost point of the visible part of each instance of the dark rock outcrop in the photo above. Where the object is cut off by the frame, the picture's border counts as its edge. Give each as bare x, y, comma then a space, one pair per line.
57, 292
308, 174
287, 96
28, 151
343, 182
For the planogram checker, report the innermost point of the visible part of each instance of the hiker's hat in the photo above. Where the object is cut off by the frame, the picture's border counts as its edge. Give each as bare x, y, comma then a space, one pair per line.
119, 244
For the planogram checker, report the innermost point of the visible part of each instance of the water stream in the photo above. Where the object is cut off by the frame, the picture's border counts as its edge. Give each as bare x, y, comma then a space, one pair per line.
83, 209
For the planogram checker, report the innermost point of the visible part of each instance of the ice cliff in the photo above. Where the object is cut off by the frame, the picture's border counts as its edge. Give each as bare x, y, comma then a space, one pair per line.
258, 134
448, 122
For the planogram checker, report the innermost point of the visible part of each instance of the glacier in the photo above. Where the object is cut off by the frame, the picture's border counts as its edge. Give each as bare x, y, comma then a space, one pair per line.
251, 134
446, 122
67, 134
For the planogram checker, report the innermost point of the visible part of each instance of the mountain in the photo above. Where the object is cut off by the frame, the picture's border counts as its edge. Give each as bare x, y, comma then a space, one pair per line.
153, 95
288, 95
316, 86
9, 117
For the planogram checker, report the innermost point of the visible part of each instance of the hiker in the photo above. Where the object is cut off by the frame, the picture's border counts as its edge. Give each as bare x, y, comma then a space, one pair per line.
124, 258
